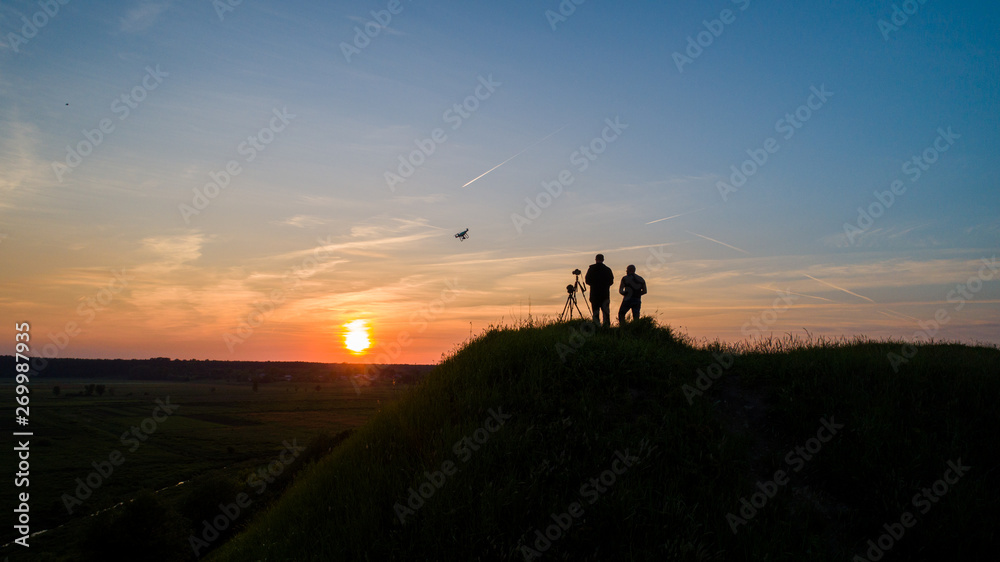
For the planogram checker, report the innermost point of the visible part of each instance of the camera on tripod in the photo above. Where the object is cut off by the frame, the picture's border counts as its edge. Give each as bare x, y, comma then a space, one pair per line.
571, 298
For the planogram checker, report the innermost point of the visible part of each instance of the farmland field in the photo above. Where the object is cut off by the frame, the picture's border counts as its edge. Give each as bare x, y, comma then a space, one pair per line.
89, 453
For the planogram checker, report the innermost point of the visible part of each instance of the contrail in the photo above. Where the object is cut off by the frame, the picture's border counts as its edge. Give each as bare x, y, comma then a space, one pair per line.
675, 216
717, 242
794, 293
516, 155
840, 288
898, 315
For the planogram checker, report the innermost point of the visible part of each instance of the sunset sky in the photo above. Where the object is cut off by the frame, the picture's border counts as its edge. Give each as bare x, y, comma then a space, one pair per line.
201, 180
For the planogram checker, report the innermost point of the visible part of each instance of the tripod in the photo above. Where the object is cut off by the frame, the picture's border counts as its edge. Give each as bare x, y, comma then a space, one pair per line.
571, 298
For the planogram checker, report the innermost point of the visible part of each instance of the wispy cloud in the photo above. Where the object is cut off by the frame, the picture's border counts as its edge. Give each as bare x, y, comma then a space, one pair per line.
373, 243
303, 221
142, 16
171, 252
382, 228
565, 254
22, 169
911, 236
423, 199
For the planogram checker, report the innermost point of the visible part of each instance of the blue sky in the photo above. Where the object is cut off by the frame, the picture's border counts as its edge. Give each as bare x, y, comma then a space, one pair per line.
320, 181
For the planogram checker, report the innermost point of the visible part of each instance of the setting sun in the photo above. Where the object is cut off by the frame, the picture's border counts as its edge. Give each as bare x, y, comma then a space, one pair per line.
356, 337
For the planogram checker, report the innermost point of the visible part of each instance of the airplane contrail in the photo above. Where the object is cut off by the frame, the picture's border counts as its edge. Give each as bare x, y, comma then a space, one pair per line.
840, 288
675, 216
717, 242
516, 155
794, 293
898, 315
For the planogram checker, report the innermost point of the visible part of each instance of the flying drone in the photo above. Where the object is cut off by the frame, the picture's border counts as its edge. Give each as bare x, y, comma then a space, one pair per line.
464, 235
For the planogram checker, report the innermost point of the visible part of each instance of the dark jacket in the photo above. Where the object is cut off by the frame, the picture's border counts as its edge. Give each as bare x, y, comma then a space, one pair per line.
632, 287
600, 278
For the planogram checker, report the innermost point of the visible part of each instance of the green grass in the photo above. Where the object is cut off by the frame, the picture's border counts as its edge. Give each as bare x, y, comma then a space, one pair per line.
622, 390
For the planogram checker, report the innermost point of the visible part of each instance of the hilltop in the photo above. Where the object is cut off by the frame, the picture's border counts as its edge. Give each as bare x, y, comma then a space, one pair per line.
560, 442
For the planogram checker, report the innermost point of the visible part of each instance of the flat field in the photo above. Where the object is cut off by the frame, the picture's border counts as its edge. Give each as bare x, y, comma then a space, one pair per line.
161, 434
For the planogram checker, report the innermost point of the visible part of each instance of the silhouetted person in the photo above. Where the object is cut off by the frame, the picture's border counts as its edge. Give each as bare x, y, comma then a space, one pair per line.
632, 288
600, 278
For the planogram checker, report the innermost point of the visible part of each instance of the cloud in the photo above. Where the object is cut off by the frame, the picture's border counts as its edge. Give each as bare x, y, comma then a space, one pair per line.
366, 231
487, 259
21, 167
363, 240
173, 252
886, 237
142, 16
987, 229
367, 244
303, 221
422, 199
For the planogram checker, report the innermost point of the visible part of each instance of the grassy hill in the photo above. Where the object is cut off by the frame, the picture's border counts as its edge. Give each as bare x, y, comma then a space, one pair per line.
632, 444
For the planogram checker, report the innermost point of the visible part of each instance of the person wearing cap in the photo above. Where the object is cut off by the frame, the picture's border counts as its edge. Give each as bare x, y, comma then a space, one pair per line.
632, 288
600, 278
